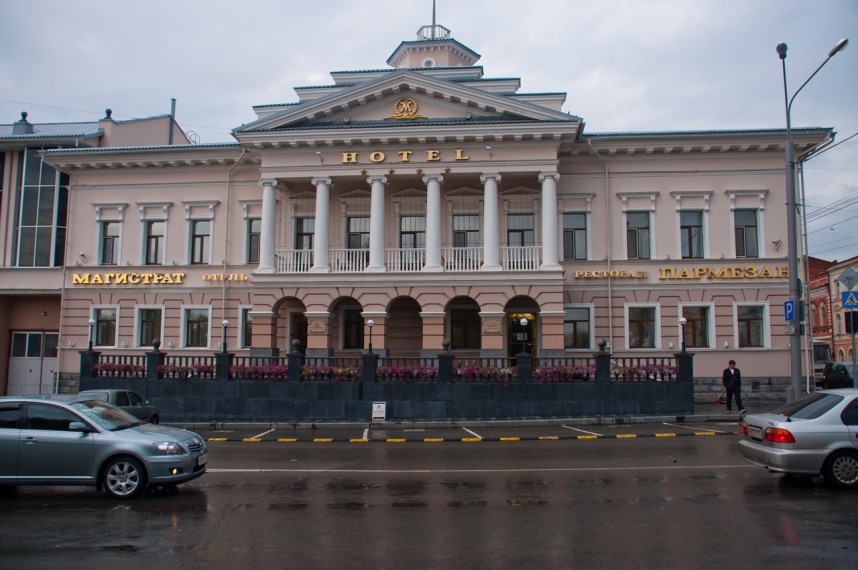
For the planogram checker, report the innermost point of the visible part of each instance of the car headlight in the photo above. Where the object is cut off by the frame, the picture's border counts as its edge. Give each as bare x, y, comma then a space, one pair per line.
169, 448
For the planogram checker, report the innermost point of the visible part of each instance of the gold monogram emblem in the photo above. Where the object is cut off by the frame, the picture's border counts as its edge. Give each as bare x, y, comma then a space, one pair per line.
405, 108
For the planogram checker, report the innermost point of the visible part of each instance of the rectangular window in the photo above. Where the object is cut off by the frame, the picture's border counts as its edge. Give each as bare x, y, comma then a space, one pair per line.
200, 241
641, 327
696, 329
574, 236
466, 230
465, 329
154, 236
110, 243
304, 230
638, 235
412, 232
746, 233
352, 329
691, 234
358, 232
519, 230
254, 232
148, 326
246, 327
576, 328
105, 326
750, 326
196, 328
40, 228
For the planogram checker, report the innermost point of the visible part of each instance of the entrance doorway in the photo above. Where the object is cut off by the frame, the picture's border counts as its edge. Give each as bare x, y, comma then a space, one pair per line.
521, 337
297, 330
32, 363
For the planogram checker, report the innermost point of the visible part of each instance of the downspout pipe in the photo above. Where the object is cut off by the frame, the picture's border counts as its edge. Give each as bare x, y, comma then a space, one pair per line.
607, 241
226, 231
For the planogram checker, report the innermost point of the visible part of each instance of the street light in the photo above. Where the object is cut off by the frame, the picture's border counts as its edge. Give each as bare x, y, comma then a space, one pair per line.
370, 323
523, 323
224, 323
91, 324
682, 322
792, 251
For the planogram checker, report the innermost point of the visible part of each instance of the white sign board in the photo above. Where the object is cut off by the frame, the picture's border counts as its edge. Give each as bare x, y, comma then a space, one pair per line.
379, 411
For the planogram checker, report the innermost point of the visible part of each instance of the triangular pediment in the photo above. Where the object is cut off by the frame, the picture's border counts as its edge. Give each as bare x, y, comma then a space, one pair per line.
402, 98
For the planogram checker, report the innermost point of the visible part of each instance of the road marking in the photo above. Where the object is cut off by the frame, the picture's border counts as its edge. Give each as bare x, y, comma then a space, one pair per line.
473, 433
433, 439
665, 435
323, 440
519, 470
690, 427
251, 440
359, 440
366, 433
510, 439
258, 436
395, 440
581, 430
626, 435
287, 439
472, 439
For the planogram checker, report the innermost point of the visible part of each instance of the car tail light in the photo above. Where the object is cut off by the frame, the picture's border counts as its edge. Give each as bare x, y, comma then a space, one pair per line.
779, 435
744, 428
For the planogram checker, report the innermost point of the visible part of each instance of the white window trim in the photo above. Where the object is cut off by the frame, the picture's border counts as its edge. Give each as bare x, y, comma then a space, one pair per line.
748, 200
92, 312
592, 311
199, 210
137, 310
154, 212
109, 212
656, 332
710, 325
641, 202
184, 328
587, 234
767, 338
695, 202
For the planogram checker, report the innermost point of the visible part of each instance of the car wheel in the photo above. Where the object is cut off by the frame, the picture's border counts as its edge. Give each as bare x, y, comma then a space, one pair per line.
154, 419
841, 469
124, 478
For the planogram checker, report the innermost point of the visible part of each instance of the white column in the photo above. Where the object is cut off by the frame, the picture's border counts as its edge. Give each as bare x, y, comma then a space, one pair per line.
321, 231
433, 222
267, 236
550, 237
376, 224
491, 232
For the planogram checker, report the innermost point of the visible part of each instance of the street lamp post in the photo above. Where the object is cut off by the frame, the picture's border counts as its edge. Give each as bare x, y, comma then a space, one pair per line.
682, 322
523, 323
91, 324
792, 241
224, 323
370, 323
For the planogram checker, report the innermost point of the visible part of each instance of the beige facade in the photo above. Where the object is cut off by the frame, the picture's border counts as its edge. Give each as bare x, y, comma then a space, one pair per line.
437, 203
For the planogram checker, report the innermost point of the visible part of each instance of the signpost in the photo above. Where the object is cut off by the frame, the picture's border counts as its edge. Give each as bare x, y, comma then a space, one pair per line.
849, 301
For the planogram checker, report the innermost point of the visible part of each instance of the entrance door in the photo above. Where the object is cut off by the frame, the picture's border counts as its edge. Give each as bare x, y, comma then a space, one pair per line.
298, 329
521, 337
33, 363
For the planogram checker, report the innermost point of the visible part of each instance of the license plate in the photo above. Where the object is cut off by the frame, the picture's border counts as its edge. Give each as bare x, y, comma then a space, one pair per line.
755, 432
202, 459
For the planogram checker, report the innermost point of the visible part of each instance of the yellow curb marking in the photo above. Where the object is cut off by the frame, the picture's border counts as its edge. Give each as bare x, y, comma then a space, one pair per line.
587, 437
288, 439
433, 439
216, 439
626, 435
251, 439
551, 437
395, 440
510, 439
359, 440
704, 433
665, 435
323, 440
472, 439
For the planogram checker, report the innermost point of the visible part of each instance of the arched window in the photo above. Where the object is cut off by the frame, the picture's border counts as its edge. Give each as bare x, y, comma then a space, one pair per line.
839, 324
823, 315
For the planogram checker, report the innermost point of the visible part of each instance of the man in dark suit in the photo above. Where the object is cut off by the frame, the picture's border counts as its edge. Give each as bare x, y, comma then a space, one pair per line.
732, 380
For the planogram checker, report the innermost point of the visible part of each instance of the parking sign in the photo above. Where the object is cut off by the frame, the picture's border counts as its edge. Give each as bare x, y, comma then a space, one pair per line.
789, 311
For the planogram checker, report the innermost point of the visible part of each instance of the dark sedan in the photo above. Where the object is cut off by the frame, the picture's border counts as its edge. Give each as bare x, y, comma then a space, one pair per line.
126, 400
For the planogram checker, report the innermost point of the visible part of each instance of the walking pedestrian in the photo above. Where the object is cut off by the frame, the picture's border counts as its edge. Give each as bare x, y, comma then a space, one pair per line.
732, 380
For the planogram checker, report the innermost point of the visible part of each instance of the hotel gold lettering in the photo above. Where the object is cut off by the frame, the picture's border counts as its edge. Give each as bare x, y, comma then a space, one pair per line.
128, 278
377, 156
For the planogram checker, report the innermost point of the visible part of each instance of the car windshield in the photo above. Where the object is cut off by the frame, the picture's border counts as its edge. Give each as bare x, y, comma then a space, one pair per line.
95, 395
105, 415
811, 407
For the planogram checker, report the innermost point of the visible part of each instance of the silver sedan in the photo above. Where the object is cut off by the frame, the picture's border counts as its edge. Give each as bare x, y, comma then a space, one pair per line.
817, 435
55, 441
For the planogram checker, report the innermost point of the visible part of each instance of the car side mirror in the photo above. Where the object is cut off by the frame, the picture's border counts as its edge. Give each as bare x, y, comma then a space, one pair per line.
79, 426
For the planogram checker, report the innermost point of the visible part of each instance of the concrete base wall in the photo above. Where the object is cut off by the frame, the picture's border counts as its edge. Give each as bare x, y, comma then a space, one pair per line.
249, 400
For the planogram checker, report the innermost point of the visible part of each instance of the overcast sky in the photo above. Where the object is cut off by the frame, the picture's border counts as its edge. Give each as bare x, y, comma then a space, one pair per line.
632, 65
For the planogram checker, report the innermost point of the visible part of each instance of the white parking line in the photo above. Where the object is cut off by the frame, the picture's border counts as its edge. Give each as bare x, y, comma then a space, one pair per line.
261, 434
581, 430
694, 428
473, 433
366, 433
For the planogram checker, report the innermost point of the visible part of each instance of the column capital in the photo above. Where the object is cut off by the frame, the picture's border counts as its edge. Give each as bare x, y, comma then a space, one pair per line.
545, 175
490, 176
373, 178
268, 182
326, 181
430, 177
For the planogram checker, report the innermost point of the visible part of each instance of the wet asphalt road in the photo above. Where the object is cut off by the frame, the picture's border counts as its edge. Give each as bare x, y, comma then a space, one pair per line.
604, 501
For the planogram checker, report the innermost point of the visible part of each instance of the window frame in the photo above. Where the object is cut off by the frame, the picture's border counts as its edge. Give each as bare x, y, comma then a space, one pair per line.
591, 323
245, 326
95, 312
200, 245
638, 242
346, 322
627, 308
736, 229
138, 324
575, 231
765, 331
688, 229
186, 309
710, 324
